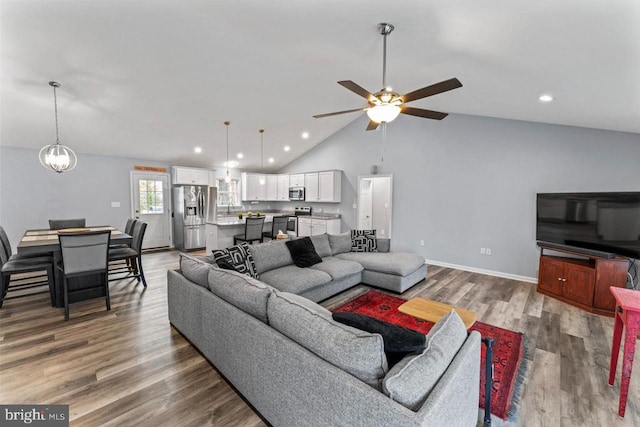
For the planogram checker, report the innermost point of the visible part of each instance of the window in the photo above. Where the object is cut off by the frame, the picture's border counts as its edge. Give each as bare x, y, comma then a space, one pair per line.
151, 197
228, 194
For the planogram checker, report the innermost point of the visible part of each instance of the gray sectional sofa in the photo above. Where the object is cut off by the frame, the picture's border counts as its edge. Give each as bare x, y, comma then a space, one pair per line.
340, 268
297, 366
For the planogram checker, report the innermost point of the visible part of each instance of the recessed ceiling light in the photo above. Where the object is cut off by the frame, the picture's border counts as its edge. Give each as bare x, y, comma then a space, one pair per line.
287, 148
271, 160
231, 164
545, 98
198, 150
305, 135
240, 155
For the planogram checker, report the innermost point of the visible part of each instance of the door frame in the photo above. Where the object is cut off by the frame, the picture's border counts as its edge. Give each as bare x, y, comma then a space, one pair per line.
390, 176
170, 198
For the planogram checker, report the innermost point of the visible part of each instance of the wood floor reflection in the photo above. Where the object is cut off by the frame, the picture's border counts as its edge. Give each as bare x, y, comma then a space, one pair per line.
127, 366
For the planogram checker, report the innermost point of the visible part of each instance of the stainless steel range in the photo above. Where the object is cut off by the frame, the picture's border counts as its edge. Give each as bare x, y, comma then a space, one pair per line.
292, 225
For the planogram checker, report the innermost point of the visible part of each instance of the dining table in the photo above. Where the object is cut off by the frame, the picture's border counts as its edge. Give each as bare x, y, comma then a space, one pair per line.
44, 242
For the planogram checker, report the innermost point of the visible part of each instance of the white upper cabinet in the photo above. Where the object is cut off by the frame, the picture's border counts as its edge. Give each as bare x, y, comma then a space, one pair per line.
296, 180
252, 190
311, 187
283, 187
271, 187
323, 186
189, 176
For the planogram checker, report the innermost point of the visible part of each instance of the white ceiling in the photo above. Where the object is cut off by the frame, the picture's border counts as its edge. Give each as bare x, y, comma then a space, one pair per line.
153, 79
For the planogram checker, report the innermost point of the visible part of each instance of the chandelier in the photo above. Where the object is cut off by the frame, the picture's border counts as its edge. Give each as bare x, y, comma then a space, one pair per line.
57, 157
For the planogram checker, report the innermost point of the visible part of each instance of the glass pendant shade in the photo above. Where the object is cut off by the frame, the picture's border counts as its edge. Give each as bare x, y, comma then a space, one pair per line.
58, 157
227, 178
384, 113
262, 180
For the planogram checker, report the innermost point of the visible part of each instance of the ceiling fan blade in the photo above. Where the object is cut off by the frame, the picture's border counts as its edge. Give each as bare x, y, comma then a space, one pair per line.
319, 116
431, 90
427, 114
372, 125
355, 88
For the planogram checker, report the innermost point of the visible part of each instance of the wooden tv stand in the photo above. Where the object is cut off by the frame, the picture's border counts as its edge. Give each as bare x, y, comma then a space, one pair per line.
582, 282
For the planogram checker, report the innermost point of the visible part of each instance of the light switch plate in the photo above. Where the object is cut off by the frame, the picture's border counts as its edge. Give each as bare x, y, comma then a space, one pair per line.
115, 204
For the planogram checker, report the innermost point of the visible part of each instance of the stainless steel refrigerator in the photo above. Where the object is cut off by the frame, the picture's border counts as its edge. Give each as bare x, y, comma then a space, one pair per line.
193, 206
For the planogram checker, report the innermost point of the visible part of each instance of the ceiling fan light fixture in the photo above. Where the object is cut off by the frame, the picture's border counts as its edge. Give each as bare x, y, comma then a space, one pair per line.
383, 113
57, 157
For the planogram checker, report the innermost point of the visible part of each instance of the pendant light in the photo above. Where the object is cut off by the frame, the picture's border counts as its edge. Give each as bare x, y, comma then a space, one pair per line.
57, 157
262, 177
227, 178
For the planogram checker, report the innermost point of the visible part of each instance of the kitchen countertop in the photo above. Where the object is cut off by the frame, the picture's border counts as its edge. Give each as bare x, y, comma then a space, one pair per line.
231, 220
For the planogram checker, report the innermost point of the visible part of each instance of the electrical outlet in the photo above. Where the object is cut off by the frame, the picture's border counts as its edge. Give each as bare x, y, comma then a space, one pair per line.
483, 251
338, 210
382, 232
488, 251
421, 242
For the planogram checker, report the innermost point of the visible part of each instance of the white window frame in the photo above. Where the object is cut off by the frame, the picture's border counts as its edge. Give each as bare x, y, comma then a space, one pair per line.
220, 182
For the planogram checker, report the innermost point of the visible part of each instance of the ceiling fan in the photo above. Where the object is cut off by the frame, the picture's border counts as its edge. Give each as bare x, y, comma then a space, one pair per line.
386, 105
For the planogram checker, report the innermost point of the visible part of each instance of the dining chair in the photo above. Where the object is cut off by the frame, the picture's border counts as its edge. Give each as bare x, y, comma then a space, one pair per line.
123, 265
14, 264
131, 254
60, 224
252, 231
84, 254
11, 267
279, 223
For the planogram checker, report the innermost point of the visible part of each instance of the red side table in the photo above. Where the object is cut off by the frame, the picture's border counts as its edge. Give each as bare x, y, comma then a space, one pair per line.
627, 315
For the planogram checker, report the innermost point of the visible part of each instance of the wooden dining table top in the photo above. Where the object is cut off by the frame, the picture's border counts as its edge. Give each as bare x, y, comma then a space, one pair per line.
45, 240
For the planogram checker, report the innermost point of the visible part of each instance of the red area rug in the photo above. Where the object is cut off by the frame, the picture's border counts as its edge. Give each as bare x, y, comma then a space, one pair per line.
508, 347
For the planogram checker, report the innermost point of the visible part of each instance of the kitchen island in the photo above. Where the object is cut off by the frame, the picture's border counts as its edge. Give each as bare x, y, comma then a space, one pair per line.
219, 233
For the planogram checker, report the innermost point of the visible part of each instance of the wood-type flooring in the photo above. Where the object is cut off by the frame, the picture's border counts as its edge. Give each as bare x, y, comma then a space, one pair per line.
128, 367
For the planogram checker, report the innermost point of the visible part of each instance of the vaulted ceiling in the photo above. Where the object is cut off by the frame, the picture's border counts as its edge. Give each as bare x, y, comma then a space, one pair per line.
153, 79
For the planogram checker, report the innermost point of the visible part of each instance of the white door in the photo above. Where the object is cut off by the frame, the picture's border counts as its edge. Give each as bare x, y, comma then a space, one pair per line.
365, 204
151, 203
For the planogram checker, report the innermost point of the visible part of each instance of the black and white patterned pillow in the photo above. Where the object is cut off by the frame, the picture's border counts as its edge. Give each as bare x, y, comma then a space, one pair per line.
363, 241
239, 257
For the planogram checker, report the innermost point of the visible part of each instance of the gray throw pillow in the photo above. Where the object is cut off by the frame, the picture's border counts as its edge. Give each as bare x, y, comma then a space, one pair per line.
411, 380
340, 243
195, 269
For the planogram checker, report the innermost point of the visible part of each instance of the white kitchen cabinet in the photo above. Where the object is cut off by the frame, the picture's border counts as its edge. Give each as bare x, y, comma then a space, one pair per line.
314, 227
271, 187
189, 176
323, 186
311, 187
283, 187
304, 227
296, 180
252, 190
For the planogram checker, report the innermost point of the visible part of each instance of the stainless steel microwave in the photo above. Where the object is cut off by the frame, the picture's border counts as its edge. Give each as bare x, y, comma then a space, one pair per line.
296, 193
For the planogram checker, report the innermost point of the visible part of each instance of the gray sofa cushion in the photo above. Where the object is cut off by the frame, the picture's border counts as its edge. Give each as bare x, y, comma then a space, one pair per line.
340, 243
246, 293
196, 269
338, 268
321, 243
411, 380
398, 263
359, 353
268, 256
295, 279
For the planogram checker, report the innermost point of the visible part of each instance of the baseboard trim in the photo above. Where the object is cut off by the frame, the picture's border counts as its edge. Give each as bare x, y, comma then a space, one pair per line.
483, 271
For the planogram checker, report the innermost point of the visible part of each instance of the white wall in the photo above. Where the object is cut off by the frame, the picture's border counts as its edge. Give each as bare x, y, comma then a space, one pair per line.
30, 194
469, 182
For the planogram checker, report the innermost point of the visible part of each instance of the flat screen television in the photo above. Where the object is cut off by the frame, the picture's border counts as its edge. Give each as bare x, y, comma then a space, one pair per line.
590, 222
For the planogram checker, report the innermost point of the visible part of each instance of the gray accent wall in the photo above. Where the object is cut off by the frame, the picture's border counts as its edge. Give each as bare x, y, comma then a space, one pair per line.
469, 182
30, 194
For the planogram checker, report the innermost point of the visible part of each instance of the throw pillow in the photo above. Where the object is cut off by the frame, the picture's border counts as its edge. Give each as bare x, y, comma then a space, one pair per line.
340, 243
398, 341
303, 252
237, 256
363, 241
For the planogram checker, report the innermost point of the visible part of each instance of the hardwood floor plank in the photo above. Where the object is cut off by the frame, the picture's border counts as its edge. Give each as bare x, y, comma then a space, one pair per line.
128, 367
